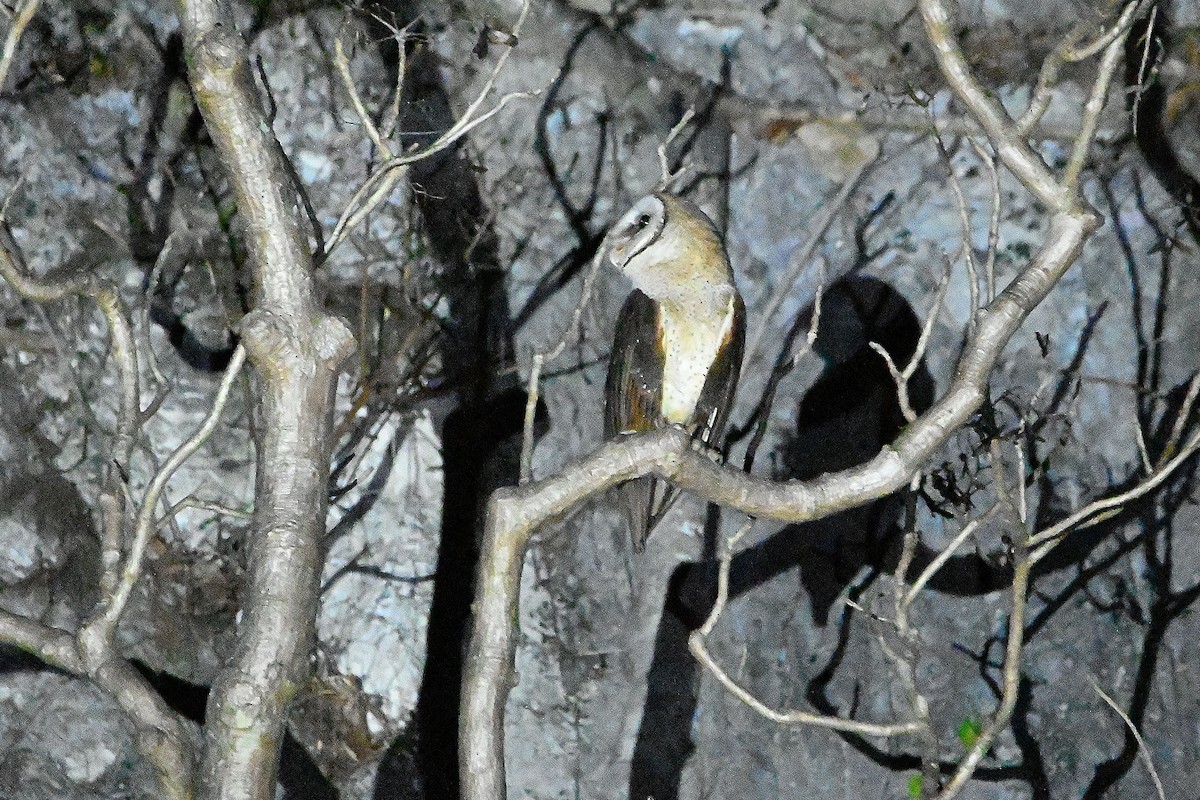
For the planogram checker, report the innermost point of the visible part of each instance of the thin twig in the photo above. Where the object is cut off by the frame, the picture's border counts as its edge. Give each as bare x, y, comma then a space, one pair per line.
1100, 510
378, 187
531, 402
964, 218
97, 633
540, 359
934, 566
1181, 419
21, 18
989, 269
1010, 677
697, 644
1143, 751
1095, 103
901, 377
668, 177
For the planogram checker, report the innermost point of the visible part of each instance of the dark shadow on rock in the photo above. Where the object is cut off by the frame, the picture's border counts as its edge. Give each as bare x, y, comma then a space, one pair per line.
481, 451
481, 437
664, 741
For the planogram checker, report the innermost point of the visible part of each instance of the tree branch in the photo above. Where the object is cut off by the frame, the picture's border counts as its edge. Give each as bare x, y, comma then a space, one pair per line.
296, 349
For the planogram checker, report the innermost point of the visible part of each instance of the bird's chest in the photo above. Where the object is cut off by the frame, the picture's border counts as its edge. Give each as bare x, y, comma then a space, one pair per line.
690, 344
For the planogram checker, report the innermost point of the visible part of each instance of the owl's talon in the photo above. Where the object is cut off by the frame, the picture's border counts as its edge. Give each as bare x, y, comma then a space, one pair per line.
704, 449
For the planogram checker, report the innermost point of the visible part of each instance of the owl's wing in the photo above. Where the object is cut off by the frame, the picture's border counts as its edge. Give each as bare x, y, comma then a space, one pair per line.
633, 390
633, 403
716, 398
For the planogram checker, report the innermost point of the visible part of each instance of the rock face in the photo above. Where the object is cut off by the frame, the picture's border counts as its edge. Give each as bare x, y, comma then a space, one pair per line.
476, 261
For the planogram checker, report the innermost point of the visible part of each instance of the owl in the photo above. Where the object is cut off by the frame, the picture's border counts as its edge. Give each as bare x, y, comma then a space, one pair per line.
677, 352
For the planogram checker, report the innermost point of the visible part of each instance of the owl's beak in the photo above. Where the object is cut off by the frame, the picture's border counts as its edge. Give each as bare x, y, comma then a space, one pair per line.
613, 254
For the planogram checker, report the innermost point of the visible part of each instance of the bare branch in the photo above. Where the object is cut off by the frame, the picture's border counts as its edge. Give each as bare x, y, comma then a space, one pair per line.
1095, 102
697, 644
202, 505
964, 218
989, 269
20, 20
12, 269
379, 186
668, 177
161, 735
902, 377
97, 634
542, 358
1010, 678
934, 566
296, 349
531, 402
1012, 149
1044, 541
1143, 751
1181, 419
1067, 52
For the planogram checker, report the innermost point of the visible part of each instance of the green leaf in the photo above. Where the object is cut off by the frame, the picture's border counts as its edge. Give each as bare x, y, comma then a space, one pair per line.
914, 786
968, 731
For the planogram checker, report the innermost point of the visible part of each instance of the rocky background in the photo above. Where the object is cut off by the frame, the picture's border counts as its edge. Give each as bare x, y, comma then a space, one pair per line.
803, 110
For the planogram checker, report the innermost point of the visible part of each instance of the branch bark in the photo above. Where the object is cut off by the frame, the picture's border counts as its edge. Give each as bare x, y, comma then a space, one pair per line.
296, 349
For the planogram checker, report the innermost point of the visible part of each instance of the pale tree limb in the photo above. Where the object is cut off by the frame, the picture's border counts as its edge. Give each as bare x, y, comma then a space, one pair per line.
1181, 419
1095, 102
162, 736
904, 656
201, 505
296, 349
1009, 142
1173, 456
967, 250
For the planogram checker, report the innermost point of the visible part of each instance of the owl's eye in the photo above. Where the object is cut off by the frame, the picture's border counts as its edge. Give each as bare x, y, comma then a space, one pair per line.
643, 221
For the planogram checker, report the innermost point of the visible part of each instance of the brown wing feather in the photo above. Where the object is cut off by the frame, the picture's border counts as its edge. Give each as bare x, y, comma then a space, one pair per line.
633, 390
633, 401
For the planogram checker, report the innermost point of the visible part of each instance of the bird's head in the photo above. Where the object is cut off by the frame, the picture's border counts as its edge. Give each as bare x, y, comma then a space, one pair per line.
668, 247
